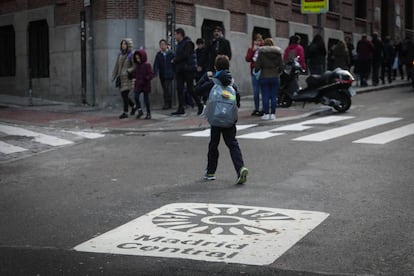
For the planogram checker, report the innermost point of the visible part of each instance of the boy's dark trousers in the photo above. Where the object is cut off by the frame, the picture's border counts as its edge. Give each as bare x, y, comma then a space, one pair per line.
167, 87
229, 136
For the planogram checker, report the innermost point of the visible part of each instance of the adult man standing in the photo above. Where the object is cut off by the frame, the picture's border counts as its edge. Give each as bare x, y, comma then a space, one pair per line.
377, 57
219, 46
185, 66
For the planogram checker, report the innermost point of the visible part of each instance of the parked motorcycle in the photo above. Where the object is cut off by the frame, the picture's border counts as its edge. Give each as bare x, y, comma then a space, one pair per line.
332, 88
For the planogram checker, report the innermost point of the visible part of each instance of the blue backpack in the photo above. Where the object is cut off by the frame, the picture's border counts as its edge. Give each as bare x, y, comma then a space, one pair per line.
221, 110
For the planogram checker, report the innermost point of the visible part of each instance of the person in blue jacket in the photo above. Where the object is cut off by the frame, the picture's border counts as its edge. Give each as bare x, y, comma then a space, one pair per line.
164, 69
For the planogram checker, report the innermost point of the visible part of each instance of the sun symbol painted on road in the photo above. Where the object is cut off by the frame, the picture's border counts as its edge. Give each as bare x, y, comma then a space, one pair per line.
220, 220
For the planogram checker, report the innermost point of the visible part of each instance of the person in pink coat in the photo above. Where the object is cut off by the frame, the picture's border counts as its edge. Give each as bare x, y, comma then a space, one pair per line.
293, 50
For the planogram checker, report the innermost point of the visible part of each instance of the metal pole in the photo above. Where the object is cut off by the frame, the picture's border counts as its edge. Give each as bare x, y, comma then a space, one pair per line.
83, 57
30, 87
91, 57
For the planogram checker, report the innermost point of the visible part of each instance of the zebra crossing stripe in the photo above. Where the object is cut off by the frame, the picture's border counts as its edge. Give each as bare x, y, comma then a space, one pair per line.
345, 130
202, 133
304, 125
206, 132
259, 135
9, 149
388, 136
38, 137
87, 135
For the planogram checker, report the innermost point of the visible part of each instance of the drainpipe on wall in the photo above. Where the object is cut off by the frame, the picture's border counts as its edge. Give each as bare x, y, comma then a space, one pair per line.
91, 53
141, 24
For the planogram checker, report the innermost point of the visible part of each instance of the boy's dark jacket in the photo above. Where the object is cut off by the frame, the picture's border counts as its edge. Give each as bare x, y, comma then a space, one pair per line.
163, 66
205, 84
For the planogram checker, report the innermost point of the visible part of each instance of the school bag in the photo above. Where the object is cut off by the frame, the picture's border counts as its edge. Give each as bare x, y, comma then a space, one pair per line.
221, 110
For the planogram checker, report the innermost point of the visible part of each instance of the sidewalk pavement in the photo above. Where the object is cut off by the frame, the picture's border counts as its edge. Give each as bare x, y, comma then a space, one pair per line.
14, 109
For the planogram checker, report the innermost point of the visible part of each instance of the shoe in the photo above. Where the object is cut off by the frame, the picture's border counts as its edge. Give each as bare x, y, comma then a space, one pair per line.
202, 112
134, 108
266, 117
178, 113
272, 117
242, 176
148, 116
200, 108
140, 113
123, 116
209, 176
255, 113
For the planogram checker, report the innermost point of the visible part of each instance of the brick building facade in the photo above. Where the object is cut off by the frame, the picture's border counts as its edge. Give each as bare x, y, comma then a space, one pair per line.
45, 36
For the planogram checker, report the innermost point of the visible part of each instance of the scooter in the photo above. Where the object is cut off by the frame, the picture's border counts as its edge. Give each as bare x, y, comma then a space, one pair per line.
332, 88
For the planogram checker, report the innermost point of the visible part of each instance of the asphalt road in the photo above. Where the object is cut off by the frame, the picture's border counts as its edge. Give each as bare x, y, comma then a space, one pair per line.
56, 200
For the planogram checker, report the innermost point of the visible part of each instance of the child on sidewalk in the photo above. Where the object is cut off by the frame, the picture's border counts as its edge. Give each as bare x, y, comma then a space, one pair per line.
143, 75
222, 82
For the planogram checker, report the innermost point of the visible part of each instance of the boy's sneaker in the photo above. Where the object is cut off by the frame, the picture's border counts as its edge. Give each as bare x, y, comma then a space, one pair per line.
209, 176
242, 176
123, 116
272, 117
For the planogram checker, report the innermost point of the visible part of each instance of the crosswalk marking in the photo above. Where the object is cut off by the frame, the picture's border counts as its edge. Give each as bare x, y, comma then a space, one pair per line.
87, 135
38, 137
259, 135
9, 149
305, 125
206, 132
388, 136
345, 130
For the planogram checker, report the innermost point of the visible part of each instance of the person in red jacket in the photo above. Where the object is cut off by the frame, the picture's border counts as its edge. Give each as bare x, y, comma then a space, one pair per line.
143, 75
251, 56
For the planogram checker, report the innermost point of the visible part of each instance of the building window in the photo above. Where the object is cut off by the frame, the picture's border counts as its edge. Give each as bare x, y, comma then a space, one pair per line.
7, 51
207, 29
408, 14
39, 49
263, 31
361, 9
334, 6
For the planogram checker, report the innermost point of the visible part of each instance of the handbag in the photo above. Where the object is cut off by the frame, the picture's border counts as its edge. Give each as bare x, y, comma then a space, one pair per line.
118, 82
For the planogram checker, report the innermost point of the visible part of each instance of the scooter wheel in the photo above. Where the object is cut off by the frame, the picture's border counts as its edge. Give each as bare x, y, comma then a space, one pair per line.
345, 102
284, 100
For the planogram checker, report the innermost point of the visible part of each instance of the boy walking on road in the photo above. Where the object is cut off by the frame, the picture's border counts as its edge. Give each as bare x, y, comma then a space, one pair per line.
221, 113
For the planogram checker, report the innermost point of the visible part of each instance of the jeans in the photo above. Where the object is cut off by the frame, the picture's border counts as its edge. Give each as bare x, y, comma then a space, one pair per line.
269, 88
146, 100
256, 93
229, 136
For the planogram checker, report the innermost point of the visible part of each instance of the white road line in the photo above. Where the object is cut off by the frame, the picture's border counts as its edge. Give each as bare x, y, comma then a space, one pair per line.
206, 132
304, 125
202, 133
345, 130
259, 135
87, 135
9, 149
241, 127
388, 136
38, 137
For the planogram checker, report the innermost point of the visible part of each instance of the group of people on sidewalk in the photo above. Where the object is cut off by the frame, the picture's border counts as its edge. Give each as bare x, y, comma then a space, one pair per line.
132, 71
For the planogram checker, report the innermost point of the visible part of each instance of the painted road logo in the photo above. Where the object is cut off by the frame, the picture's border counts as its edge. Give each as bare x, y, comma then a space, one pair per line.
209, 232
